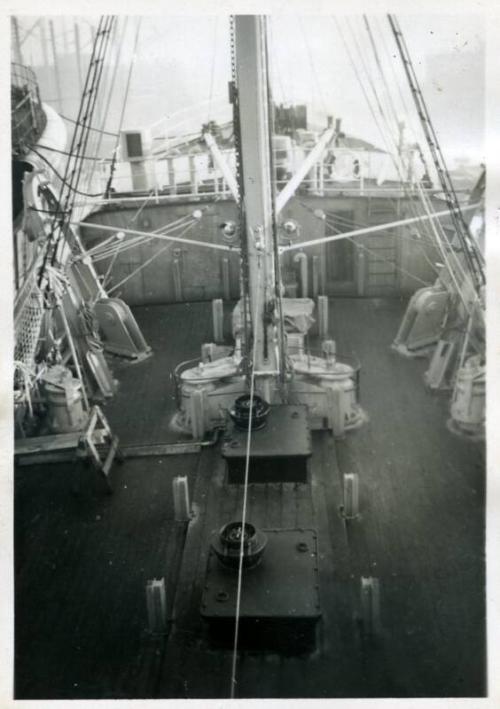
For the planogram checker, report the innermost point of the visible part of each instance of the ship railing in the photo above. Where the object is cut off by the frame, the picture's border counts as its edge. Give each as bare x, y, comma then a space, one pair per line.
193, 175
28, 118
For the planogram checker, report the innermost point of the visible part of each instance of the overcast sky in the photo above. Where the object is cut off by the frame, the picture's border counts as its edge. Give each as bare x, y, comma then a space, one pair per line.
183, 61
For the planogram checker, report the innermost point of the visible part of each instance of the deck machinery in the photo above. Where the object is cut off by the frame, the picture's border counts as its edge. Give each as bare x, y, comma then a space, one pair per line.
267, 393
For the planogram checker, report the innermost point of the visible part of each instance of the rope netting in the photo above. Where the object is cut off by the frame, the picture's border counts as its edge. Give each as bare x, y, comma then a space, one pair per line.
28, 324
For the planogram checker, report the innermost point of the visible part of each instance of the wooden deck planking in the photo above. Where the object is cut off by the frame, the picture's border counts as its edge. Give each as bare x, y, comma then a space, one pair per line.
142, 410
421, 531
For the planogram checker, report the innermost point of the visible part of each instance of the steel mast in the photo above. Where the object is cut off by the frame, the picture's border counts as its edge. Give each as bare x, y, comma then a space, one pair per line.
251, 74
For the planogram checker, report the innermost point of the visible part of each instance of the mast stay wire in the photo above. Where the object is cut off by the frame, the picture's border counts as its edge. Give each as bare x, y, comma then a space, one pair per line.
370, 106
391, 104
124, 105
245, 497
313, 68
110, 92
351, 224
471, 251
379, 126
118, 251
378, 258
147, 262
111, 249
78, 145
96, 252
450, 270
383, 133
415, 127
420, 191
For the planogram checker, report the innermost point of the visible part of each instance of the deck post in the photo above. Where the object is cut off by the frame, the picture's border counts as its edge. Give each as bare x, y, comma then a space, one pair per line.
177, 277
193, 181
370, 605
360, 271
156, 605
335, 412
301, 259
315, 276
323, 315
218, 319
197, 414
226, 283
351, 496
171, 176
182, 508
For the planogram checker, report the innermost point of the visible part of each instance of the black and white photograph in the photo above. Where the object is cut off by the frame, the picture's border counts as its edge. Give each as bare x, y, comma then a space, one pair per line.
248, 276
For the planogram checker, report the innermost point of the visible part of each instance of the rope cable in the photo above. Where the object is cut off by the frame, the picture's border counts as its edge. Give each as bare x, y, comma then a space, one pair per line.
145, 263
124, 104
245, 497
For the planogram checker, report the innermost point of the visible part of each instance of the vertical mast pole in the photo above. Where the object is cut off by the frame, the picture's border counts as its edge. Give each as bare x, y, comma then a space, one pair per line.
252, 85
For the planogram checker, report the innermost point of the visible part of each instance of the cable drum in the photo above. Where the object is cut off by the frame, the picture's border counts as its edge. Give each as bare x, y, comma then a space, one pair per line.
228, 542
247, 413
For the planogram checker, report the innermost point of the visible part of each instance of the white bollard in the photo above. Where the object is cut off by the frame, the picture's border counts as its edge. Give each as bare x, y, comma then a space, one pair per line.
315, 276
335, 412
370, 605
156, 605
226, 283
197, 414
182, 508
218, 319
351, 496
323, 315
301, 259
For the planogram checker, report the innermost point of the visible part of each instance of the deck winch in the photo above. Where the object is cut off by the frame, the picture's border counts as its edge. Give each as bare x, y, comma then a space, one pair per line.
249, 413
64, 400
228, 543
280, 607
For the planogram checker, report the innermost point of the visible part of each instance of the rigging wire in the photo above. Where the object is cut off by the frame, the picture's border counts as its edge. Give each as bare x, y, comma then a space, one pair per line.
471, 252
379, 258
110, 249
73, 167
95, 130
125, 99
69, 155
313, 68
110, 92
147, 262
450, 270
389, 98
383, 134
419, 240
245, 496
63, 180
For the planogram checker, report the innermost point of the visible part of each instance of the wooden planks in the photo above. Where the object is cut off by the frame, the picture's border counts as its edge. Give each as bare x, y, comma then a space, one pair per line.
80, 619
